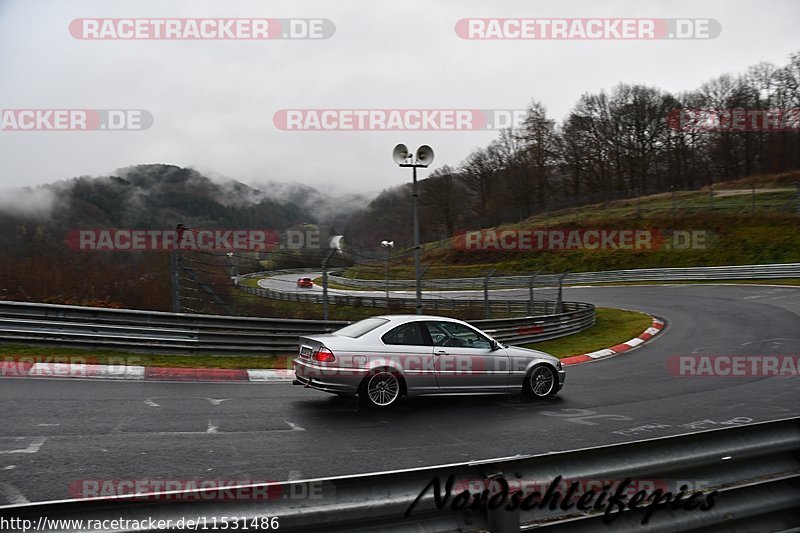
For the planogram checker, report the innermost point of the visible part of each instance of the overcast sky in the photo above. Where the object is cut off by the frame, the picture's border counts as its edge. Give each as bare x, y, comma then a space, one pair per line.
213, 102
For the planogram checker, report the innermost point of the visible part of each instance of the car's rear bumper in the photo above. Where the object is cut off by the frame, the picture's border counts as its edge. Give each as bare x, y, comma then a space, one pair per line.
326, 378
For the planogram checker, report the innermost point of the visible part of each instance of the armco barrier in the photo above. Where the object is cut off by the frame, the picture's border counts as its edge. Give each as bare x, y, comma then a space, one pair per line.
159, 332
153, 331
773, 271
408, 304
754, 469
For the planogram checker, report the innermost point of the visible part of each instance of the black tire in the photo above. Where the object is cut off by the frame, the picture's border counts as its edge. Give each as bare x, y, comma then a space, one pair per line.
541, 382
382, 389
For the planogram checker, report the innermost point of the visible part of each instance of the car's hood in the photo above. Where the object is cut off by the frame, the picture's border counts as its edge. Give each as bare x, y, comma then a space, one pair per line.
527, 352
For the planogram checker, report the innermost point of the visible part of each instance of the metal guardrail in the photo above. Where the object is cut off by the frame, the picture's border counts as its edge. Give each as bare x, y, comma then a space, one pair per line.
408, 304
773, 271
754, 468
159, 332
153, 331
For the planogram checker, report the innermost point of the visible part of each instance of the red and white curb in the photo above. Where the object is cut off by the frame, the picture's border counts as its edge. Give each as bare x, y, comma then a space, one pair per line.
139, 373
156, 373
646, 335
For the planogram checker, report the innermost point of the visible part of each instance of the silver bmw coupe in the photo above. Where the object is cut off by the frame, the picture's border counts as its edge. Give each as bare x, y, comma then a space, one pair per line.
385, 358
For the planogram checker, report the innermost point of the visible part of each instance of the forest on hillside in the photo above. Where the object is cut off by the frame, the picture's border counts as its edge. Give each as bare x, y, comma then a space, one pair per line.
617, 143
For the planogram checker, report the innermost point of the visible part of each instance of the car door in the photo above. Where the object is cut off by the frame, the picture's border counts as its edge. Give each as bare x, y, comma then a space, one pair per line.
464, 358
411, 346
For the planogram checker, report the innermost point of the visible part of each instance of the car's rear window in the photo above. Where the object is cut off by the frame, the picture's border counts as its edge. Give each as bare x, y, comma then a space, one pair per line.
361, 327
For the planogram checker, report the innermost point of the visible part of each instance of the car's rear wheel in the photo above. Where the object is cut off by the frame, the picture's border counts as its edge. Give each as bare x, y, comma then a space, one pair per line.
541, 382
382, 389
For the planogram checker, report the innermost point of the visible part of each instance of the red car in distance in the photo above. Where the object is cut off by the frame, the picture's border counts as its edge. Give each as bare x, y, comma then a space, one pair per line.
305, 282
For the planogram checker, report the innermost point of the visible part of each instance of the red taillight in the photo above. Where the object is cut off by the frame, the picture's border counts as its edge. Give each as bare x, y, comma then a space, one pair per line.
324, 355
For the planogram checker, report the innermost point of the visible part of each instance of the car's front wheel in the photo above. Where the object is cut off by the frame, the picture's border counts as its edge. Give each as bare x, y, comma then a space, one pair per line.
381, 389
541, 382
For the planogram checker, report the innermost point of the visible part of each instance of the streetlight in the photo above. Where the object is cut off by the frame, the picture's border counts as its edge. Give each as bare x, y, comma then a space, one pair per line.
421, 159
388, 245
335, 245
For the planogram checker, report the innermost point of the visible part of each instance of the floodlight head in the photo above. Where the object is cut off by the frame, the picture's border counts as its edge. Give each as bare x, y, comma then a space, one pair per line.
400, 154
336, 243
425, 155
387, 244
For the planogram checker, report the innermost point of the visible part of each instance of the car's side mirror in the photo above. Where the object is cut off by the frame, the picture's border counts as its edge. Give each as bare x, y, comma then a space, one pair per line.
494, 345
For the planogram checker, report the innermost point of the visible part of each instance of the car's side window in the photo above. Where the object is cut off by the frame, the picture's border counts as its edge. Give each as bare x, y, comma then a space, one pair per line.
456, 335
437, 334
409, 334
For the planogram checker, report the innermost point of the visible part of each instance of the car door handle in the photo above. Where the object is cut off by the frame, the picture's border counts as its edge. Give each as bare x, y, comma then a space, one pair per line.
441, 352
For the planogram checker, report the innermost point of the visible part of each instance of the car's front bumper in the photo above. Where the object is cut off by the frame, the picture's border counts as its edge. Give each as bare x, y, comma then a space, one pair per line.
335, 380
562, 375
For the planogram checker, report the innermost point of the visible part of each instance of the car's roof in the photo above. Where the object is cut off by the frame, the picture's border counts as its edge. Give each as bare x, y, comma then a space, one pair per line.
397, 318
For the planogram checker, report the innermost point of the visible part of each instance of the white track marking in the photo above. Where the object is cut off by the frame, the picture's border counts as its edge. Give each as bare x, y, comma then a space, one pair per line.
151, 402
211, 428
295, 427
33, 446
215, 401
12, 494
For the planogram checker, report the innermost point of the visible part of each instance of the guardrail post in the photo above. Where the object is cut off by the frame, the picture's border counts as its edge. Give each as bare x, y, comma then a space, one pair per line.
176, 274
531, 281
560, 298
176, 282
487, 309
325, 283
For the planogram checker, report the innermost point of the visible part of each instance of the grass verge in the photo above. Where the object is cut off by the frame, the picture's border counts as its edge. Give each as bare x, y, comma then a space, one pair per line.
612, 327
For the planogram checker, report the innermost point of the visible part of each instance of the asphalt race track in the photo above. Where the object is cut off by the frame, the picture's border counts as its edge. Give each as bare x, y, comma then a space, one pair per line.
57, 432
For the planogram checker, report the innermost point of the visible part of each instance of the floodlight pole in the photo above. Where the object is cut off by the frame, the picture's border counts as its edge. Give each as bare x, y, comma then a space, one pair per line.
423, 158
417, 276
417, 269
388, 245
